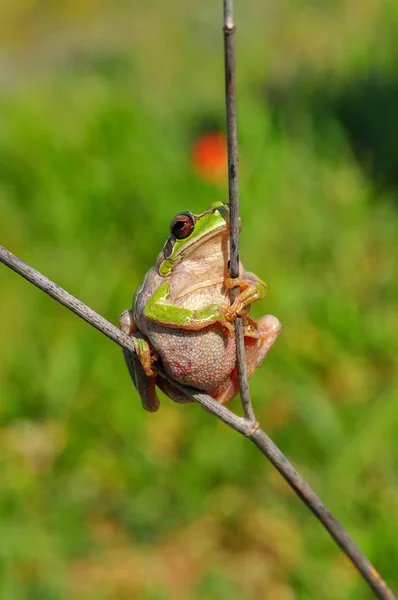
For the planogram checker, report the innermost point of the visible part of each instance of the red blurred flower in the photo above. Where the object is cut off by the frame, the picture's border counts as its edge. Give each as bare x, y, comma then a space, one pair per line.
209, 156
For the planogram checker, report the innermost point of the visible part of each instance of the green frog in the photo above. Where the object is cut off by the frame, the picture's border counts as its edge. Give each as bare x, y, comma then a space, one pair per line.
182, 315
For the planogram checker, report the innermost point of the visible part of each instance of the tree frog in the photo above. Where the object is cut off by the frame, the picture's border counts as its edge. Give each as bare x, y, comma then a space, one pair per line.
182, 315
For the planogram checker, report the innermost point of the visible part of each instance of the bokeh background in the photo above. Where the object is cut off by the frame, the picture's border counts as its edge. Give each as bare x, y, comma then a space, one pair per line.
110, 123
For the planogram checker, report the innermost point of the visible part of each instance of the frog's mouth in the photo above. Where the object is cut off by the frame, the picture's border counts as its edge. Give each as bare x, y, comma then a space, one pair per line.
220, 231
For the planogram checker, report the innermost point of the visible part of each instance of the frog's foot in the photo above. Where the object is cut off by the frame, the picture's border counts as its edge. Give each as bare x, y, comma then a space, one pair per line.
256, 349
172, 392
251, 289
146, 386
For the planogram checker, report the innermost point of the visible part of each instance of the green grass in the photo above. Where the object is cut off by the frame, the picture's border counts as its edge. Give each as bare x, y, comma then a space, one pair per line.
99, 499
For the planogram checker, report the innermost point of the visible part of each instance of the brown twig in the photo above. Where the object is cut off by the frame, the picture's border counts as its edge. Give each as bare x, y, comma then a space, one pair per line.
243, 425
63, 297
233, 188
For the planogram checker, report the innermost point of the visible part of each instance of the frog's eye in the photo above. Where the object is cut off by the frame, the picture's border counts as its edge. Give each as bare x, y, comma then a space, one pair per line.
182, 225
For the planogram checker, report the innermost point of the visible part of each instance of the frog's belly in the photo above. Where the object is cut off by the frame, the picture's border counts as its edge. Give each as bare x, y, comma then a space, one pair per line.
203, 359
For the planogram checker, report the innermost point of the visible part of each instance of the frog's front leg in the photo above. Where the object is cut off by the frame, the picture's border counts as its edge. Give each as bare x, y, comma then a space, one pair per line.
251, 289
139, 363
159, 310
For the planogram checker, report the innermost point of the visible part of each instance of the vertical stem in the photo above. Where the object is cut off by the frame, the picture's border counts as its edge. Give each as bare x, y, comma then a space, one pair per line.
232, 134
233, 186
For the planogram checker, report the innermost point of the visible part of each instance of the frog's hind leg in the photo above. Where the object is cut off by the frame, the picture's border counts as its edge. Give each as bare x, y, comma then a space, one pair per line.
230, 391
144, 384
268, 329
256, 349
172, 392
139, 363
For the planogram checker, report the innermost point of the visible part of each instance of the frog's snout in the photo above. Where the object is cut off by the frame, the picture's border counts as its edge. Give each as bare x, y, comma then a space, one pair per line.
222, 208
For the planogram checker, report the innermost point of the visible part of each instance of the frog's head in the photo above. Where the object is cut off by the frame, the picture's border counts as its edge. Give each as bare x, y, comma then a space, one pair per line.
188, 231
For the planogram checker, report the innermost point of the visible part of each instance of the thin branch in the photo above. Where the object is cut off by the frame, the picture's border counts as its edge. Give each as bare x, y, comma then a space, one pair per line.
240, 424
262, 441
233, 187
63, 297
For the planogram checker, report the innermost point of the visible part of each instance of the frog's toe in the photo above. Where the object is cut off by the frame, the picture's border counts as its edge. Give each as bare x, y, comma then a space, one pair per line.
269, 325
127, 323
145, 385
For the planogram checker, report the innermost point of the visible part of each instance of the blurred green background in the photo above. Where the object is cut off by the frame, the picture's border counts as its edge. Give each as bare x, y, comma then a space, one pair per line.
101, 104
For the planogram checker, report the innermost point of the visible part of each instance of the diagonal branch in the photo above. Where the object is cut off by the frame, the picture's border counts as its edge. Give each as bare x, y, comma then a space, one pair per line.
241, 424
63, 297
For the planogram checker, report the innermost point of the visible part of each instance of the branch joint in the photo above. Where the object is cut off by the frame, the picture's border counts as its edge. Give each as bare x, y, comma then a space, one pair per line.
229, 27
253, 429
